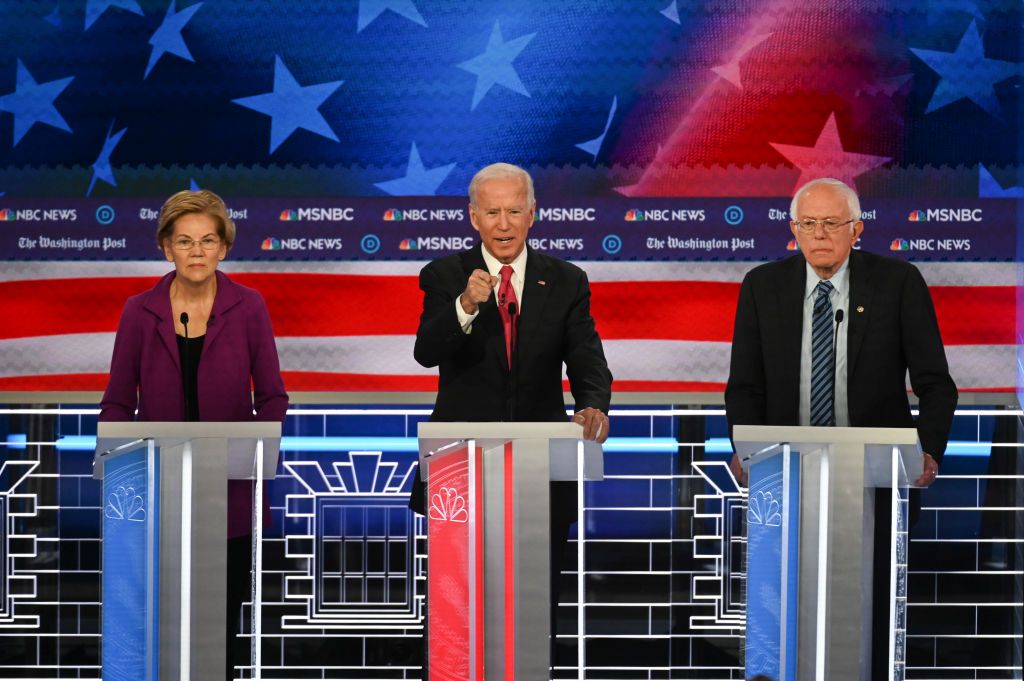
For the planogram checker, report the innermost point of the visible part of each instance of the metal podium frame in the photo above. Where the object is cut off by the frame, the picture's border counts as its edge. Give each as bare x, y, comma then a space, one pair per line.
839, 470
516, 458
192, 463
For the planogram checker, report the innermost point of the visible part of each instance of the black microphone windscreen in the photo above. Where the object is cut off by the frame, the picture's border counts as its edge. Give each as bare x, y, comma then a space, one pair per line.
184, 318
839, 316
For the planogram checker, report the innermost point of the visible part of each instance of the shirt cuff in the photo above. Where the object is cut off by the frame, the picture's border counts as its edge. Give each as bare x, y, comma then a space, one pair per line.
465, 319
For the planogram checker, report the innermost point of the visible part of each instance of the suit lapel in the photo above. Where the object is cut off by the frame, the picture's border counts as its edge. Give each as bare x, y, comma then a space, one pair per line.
861, 293
791, 319
227, 297
158, 303
535, 293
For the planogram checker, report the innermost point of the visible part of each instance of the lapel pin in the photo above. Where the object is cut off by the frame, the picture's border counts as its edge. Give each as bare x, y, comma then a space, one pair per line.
541, 282
860, 308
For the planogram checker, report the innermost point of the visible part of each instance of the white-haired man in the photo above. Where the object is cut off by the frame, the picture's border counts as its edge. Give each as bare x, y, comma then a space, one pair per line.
500, 320
789, 365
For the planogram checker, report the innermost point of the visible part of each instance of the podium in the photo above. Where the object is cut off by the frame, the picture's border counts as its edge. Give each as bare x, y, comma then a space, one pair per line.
488, 510
810, 547
164, 542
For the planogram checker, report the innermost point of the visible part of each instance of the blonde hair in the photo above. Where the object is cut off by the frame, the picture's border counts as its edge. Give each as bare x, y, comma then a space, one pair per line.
202, 202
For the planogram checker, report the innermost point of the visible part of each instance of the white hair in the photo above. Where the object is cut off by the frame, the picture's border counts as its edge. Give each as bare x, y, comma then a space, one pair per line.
852, 200
500, 171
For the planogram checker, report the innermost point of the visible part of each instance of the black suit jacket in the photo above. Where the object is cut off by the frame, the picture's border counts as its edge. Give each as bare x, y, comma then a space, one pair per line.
555, 328
892, 330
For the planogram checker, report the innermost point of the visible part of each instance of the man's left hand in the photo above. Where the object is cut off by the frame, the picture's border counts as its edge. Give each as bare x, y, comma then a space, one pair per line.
594, 422
931, 469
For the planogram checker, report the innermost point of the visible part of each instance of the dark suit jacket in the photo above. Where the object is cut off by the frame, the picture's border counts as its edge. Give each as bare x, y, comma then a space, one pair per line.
555, 327
239, 363
895, 333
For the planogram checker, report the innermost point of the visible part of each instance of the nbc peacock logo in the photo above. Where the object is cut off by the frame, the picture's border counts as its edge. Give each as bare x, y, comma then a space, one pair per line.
917, 216
271, 244
634, 215
392, 215
792, 245
899, 245
7, 215
409, 245
289, 216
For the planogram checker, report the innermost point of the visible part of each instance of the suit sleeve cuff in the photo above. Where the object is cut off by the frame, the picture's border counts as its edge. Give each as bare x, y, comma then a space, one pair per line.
465, 319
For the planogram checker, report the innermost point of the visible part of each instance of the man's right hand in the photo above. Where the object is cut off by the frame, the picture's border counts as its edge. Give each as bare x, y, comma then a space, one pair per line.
737, 470
478, 289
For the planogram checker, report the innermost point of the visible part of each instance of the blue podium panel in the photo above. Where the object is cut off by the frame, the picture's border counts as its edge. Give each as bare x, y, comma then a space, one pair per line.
773, 521
130, 526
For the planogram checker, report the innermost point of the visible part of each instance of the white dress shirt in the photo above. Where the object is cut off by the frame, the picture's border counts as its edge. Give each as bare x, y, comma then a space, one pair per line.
840, 299
494, 267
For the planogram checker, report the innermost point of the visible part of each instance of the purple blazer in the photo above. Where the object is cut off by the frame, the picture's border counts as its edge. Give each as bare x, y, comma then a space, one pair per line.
238, 371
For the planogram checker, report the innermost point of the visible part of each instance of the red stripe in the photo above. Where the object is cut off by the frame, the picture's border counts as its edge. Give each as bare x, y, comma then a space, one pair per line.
50, 307
341, 383
314, 381
976, 315
355, 305
59, 382
510, 568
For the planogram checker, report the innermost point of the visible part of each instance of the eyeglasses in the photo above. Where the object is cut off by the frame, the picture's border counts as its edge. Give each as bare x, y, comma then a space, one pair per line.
207, 243
831, 226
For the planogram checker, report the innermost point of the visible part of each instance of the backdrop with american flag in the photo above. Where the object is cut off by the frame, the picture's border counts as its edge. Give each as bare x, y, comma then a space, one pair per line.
605, 103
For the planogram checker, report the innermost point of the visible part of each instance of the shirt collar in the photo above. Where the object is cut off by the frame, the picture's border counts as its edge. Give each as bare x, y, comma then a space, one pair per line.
494, 265
838, 280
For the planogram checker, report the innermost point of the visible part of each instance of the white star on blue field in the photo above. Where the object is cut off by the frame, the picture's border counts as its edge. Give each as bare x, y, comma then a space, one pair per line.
371, 9
94, 8
292, 106
32, 103
168, 38
418, 181
101, 169
966, 73
494, 66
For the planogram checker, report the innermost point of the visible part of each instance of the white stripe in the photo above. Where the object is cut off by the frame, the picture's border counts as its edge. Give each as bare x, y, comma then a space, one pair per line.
972, 366
185, 568
936, 274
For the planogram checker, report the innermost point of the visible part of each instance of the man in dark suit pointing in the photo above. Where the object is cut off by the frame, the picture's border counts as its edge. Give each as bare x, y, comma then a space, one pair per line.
787, 369
500, 320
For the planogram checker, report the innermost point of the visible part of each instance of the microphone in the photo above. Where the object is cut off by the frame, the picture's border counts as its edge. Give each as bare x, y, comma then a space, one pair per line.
184, 374
835, 353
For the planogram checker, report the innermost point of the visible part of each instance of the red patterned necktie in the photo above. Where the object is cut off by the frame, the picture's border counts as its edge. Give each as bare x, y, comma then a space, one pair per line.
507, 296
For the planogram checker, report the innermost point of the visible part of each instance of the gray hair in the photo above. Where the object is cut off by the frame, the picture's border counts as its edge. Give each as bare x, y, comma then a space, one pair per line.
500, 171
852, 200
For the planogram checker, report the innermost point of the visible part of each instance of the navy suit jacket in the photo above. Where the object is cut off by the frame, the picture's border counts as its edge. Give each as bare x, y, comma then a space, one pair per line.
893, 330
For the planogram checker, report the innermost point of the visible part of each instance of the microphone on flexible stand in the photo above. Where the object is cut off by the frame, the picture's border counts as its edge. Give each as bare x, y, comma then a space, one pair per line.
184, 381
835, 353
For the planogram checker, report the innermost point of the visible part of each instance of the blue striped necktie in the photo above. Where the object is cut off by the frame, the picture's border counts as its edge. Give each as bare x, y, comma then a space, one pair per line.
822, 371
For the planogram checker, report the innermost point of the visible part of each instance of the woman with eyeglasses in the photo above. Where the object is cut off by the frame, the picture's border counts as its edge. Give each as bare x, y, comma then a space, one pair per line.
199, 347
